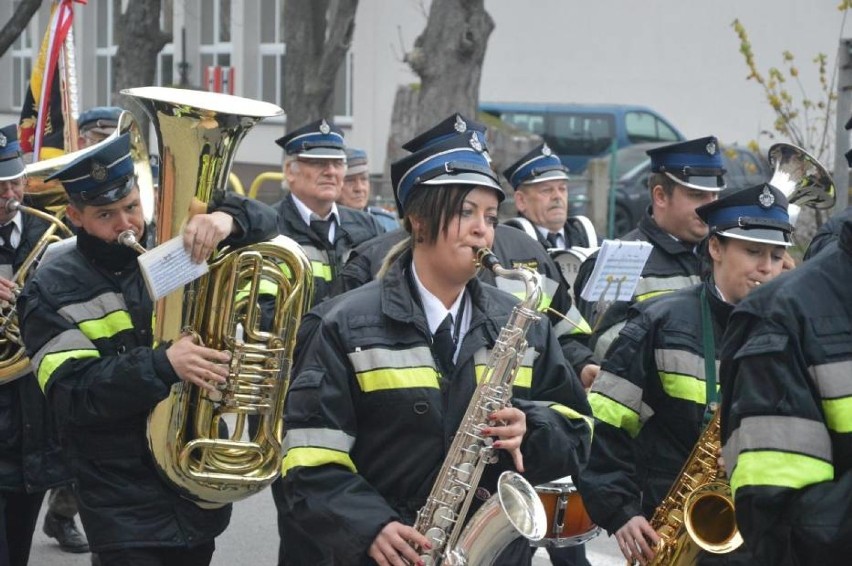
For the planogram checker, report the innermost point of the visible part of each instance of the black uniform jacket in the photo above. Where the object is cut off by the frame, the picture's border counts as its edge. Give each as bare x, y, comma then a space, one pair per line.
649, 402
369, 418
786, 419
513, 248
575, 235
355, 227
88, 332
827, 235
672, 265
30, 458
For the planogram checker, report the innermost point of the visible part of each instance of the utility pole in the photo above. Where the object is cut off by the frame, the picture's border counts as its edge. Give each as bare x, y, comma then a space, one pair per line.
844, 112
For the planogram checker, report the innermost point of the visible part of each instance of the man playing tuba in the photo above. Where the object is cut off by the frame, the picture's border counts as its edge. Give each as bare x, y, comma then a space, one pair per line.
87, 324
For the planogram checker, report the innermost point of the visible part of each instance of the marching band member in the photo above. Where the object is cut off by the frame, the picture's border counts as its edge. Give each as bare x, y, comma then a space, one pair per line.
381, 382
355, 192
685, 175
314, 166
786, 385
30, 459
86, 322
654, 393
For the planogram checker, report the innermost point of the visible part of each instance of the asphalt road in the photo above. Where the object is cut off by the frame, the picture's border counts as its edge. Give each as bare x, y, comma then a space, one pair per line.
252, 539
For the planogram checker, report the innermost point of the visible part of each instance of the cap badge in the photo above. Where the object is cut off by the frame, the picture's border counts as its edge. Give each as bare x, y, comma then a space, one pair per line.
711, 148
460, 125
99, 172
546, 151
475, 143
325, 128
2, 140
766, 198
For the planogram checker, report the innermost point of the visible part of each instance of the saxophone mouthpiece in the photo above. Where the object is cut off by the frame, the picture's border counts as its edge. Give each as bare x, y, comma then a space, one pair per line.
12, 205
485, 258
128, 238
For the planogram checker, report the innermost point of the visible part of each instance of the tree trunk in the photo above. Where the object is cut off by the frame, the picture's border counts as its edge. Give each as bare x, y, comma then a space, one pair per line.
318, 35
448, 58
139, 41
16, 24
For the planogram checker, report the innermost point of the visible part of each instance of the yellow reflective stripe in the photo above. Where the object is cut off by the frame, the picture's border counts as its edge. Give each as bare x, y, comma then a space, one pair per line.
397, 378
285, 269
651, 295
838, 414
266, 287
779, 469
313, 457
51, 362
106, 327
321, 270
685, 387
571, 414
614, 413
522, 379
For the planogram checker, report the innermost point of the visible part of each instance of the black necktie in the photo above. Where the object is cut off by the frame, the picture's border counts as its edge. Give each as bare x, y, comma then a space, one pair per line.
552, 239
321, 228
6, 234
443, 345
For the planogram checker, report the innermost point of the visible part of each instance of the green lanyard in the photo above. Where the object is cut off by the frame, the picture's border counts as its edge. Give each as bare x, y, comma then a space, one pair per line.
709, 356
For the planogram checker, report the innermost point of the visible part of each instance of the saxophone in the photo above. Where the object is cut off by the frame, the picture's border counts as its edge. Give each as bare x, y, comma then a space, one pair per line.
698, 511
515, 510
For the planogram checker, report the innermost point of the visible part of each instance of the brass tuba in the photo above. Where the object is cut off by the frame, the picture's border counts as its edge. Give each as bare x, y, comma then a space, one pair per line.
198, 134
801, 178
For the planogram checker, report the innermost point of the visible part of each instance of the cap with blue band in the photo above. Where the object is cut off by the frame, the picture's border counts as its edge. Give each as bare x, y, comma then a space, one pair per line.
11, 164
317, 140
756, 214
696, 164
539, 165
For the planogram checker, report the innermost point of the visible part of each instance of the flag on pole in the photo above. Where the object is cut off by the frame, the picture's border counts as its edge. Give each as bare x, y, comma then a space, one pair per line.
46, 110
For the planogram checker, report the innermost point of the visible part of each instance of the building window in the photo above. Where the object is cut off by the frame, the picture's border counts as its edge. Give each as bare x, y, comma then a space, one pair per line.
107, 18
215, 47
22, 65
343, 86
165, 59
272, 51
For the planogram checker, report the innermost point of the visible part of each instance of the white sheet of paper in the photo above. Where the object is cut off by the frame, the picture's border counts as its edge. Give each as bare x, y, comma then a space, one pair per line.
169, 267
617, 271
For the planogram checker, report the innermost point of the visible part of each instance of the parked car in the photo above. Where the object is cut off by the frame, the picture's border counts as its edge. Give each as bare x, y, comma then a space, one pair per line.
579, 132
745, 168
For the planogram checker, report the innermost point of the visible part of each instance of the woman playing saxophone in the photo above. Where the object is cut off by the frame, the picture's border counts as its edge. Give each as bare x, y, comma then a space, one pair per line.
386, 372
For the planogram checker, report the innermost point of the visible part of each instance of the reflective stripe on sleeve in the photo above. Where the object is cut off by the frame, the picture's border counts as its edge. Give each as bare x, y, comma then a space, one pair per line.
606, 339
316, 447
649, 287
524, 376
68, 345
572, 323
835, 388
96, 308
682, 374
570, 414
618, 402
106, 327
381, 368
313, 457
319, 262
760, 450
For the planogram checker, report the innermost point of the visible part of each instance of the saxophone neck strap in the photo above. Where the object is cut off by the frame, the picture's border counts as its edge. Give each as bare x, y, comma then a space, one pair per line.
709, 346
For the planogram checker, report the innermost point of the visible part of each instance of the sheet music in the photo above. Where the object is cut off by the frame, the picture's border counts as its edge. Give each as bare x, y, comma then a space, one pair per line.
169, 267
617, 270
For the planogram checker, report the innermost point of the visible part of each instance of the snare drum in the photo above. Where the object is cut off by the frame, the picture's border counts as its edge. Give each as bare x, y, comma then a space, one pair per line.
570, 260
568, 524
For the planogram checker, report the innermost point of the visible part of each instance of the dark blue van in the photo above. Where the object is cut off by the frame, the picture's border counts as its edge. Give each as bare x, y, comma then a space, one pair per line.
579, 132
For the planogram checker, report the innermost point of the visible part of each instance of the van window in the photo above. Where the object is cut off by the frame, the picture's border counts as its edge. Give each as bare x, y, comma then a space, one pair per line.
580, 134
644, 127
531, 122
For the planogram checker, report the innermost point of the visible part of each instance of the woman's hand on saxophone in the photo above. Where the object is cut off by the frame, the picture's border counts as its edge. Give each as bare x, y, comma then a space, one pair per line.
510, 427
637, 540
198, 365
204, 232
393, 545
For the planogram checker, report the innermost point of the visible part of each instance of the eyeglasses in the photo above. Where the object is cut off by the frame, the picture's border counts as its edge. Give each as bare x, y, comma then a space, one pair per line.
323, 163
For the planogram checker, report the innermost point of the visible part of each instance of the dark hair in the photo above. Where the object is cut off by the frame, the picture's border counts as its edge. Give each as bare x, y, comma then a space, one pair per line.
664, 181
435, 206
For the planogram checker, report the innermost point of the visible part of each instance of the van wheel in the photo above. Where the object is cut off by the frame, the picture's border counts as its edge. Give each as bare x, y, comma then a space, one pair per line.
624, 222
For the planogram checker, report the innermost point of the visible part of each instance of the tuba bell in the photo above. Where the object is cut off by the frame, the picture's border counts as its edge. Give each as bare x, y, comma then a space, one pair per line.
198, 134
801, 178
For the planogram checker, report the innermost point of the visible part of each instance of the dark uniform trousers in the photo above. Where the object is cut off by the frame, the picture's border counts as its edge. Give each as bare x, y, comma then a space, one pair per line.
30, 459
196, 556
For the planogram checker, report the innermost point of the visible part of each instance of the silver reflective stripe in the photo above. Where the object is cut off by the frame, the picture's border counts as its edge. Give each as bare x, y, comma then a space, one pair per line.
318, 438
6, 271
95, 308
607, 338
572, 322
682, 363
648, 285
832, 379
480, 357
71, 339
375, 358
315, 254
622, 391
783, 434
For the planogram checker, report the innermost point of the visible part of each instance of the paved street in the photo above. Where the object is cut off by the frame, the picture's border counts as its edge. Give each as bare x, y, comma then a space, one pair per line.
252, 539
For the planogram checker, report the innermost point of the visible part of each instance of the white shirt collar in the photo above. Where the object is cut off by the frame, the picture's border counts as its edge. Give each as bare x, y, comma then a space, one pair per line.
544, 232
307, 215
434, 309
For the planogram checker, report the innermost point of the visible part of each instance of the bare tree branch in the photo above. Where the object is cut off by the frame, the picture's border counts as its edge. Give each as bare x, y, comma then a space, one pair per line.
17, 23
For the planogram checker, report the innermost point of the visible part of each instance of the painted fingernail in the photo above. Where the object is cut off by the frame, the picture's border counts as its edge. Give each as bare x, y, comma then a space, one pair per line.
497, 444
